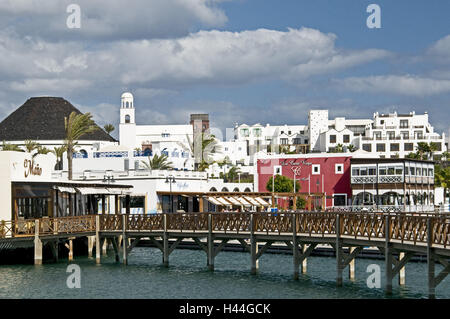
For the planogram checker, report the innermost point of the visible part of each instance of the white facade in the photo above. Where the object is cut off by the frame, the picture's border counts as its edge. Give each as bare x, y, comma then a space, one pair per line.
392, 135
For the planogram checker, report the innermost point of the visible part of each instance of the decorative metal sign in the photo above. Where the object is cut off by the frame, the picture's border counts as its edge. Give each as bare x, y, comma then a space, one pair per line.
31, 168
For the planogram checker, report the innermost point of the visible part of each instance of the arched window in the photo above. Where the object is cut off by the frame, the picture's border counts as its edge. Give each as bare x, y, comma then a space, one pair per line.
247, 190
213, 189
127, 118
225, 189
147, 152
236, 189
83, 153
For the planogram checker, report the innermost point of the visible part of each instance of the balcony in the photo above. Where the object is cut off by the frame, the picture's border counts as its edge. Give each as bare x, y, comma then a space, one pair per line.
387, 179
364, 179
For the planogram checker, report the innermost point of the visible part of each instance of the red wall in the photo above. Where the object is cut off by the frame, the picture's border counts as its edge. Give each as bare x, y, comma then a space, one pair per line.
332, 183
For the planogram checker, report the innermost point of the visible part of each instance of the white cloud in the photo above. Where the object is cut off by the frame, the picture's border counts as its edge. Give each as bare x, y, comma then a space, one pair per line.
440, 50
396, 84
110, 19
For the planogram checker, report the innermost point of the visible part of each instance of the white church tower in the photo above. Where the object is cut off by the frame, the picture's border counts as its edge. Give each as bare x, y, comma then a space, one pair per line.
127, 126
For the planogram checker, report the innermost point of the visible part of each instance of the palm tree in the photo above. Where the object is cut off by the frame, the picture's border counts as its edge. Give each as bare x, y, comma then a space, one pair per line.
351, 148
30, 146
76, 126
339, 148
11, 147
422, 149
109, 128
157, 162
232, 174
413, 155
59, 153
203, 156
41, 150
442, 178
445, 156
433, 147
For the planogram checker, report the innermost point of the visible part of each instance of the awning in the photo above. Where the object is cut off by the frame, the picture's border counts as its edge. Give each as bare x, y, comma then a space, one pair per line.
252, 201
261, 201
243, 201
214, 201
92, 190
63, 189
122, 191
223, 201
233, 200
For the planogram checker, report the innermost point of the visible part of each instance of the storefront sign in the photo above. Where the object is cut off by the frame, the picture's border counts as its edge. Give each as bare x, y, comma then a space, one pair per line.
294, 163
31, 168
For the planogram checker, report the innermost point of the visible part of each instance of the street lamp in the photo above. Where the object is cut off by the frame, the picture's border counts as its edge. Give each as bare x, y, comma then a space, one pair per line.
170, 179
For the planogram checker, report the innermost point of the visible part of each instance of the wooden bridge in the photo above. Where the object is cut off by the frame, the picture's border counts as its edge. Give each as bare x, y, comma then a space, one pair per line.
398, 236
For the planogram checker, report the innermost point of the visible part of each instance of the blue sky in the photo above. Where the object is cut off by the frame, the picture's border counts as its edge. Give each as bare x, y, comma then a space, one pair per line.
243, 61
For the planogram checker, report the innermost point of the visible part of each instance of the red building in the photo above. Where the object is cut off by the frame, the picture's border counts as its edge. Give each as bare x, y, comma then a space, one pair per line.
316, 173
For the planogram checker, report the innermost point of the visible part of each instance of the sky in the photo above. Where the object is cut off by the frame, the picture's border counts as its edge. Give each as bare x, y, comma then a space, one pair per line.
241, 61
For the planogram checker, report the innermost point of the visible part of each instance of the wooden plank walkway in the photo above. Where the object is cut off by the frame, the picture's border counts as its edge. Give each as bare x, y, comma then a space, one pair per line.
397, 235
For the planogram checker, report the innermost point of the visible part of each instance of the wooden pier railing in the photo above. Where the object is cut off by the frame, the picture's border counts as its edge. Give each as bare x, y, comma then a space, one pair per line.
402, 234
403, 227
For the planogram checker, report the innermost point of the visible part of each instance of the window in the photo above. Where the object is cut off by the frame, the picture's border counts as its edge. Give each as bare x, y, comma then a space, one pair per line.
332, 138
283, 141
127, 118
381, 148
405, 135
244, 132
339, 200
403, 123
316, 169
382, 170
289, 132
377, 135
165, 134
409, 147
418, 171
399, 171
391, 135
339, 169
418, 134
346, 138
372, 171
355, 171
412, 171
297, 140
367, 147
395, 147
257, 132
430, 172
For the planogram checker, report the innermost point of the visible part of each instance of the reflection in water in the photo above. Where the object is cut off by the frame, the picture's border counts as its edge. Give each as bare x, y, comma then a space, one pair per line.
188, 277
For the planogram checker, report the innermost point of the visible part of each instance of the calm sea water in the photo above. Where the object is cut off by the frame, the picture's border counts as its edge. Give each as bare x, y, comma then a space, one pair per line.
188, 277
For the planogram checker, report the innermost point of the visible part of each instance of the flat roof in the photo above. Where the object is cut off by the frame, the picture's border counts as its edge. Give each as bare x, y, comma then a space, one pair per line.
73, 183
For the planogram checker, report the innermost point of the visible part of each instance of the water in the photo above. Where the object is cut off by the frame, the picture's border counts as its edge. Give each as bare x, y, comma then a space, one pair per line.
188, 277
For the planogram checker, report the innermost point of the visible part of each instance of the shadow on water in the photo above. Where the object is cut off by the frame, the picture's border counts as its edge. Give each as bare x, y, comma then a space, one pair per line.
188, 277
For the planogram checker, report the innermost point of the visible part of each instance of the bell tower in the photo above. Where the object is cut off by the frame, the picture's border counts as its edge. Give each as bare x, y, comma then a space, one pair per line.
127, 109
127, 126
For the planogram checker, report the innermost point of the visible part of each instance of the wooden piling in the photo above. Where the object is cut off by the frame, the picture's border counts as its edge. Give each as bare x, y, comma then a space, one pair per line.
402, 272
211, 256
37, 245
388, 256
351, 265
97, 240
124, 240
165, 243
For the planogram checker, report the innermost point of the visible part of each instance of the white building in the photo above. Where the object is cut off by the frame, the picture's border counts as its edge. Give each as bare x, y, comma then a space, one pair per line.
397, 135
390, 135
